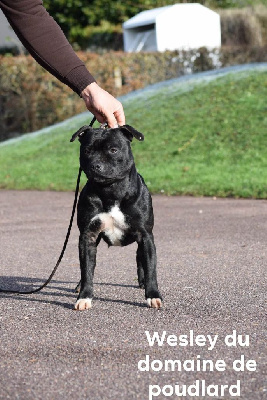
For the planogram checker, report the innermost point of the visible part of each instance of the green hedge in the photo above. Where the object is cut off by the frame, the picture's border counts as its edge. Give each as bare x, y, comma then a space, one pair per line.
245, 26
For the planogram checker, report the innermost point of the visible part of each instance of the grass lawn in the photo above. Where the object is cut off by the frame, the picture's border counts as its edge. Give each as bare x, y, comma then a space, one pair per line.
203, 138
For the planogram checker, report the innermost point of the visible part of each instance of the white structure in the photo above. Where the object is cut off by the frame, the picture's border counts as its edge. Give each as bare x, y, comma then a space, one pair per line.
180, 26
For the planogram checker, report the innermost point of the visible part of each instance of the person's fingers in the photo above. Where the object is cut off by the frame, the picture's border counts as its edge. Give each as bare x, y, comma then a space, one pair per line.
109, 118
111, 121
120, 117
114, 112
100, 118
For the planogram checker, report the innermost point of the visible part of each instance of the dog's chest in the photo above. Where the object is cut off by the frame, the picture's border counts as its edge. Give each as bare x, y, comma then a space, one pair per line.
113, 225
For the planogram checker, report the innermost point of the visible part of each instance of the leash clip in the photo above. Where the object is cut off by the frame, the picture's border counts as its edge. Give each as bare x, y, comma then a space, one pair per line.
104, 125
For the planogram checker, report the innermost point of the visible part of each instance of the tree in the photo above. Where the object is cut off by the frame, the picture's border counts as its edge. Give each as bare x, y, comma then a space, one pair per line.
78, 17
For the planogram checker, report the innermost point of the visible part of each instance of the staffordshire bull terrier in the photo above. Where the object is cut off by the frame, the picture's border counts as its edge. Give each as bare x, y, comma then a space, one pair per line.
115, 205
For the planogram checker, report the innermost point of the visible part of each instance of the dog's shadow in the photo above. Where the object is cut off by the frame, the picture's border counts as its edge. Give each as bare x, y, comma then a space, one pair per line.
54, 289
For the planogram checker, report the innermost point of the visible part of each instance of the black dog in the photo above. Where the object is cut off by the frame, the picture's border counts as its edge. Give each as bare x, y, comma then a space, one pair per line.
115, 205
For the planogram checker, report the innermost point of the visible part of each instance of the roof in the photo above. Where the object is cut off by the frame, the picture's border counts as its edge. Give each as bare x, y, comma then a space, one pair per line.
150, 16
145, 17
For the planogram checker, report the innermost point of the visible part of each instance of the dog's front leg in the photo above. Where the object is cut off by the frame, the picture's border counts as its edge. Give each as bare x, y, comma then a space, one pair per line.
87, 254
146, 255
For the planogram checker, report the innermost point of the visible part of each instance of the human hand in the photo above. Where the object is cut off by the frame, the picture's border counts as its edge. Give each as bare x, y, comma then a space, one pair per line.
103, 105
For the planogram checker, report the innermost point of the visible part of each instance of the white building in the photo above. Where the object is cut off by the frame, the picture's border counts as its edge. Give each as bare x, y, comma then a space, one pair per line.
179, 26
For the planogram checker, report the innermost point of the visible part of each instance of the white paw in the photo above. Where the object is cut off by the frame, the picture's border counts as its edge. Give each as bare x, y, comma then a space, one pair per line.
154, 303
83, 304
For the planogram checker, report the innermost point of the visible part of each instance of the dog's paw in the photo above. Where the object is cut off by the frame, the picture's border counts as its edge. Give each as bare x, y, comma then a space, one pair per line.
83, 304
154, 303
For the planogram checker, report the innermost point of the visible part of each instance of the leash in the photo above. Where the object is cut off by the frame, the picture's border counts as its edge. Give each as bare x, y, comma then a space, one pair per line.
65, 242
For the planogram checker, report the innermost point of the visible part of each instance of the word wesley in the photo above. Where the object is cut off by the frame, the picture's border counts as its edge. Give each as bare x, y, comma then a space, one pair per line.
182, 340
192, 339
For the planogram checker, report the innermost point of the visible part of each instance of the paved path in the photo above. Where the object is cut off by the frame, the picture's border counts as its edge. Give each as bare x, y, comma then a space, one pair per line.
212, 273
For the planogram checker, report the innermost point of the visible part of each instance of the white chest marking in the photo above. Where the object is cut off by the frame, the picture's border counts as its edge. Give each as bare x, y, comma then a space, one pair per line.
113, 224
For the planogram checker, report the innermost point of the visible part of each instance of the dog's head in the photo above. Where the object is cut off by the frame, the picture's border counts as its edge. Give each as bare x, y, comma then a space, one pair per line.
105, 154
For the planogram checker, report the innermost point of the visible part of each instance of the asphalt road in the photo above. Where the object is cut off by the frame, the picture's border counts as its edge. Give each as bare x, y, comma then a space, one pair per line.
212, 274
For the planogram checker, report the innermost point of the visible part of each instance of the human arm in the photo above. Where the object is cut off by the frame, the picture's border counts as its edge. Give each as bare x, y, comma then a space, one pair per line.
46, 42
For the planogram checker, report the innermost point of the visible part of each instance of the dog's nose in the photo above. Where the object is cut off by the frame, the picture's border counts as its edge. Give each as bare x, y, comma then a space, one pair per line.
97, 167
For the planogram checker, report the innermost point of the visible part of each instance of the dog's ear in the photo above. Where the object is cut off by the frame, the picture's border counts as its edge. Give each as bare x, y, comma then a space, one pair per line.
79, 134
131, 132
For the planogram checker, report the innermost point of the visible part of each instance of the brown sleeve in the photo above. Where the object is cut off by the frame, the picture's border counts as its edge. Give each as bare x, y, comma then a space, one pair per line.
46, 42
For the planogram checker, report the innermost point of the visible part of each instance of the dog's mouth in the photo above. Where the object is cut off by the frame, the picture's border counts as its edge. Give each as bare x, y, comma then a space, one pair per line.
104, 180
106, 177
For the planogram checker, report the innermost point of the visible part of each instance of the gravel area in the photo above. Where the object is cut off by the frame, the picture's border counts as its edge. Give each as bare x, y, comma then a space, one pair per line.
212, 274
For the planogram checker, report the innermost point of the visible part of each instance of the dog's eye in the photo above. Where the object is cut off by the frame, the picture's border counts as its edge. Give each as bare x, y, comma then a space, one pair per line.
113, 150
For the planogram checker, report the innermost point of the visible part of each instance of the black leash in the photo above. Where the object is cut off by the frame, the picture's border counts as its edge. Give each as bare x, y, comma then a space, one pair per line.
65, 242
